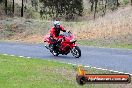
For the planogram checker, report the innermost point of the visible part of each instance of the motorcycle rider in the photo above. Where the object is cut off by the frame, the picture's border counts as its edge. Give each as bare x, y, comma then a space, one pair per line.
55, 32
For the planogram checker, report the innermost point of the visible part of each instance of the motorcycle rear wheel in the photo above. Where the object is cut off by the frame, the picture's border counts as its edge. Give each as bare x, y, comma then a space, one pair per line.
53, 51
55, 54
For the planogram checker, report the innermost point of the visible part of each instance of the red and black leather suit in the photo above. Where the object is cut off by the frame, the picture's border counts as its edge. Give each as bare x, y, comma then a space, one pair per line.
55, 32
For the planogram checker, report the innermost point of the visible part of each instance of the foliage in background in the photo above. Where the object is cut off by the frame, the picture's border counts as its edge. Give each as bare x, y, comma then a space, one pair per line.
62, 8
34, 4
126, 2
1, 1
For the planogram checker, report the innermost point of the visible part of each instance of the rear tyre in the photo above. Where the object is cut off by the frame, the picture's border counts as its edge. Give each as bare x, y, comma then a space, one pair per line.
76, 52
54, 53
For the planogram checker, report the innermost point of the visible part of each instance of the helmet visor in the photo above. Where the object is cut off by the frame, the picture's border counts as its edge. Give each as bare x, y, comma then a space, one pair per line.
57, 26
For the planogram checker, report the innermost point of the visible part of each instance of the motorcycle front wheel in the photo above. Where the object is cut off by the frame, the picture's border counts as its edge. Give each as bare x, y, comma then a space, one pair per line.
76, 52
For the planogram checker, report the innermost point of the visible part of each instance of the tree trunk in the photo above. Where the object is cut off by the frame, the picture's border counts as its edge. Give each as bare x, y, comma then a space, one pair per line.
131, 2
13, 7
6, 7
117, 1
102, 7
105, 7
95, 10
92, 4
22, 9
32, 2
26, 1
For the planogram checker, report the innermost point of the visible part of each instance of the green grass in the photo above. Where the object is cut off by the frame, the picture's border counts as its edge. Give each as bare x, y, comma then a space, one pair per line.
16, 72
32, 73
107, 45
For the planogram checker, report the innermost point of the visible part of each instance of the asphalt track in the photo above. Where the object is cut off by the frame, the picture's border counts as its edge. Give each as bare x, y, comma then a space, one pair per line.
115, 59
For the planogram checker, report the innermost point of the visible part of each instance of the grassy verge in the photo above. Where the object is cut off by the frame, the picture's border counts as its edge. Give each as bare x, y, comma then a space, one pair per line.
16, 72
107, 45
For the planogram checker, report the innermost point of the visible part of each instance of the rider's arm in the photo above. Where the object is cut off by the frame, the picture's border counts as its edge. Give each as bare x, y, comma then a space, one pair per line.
52, 33
62, 29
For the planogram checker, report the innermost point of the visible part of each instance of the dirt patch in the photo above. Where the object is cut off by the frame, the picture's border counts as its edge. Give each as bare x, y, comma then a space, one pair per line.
30, 39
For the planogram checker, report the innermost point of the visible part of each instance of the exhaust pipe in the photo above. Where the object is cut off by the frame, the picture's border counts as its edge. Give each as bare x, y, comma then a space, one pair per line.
46, 46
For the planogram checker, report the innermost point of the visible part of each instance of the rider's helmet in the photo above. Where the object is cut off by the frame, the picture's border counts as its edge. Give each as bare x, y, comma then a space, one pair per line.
57, 24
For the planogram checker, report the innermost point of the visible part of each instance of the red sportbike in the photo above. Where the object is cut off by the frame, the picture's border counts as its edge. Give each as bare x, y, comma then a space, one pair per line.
64, 47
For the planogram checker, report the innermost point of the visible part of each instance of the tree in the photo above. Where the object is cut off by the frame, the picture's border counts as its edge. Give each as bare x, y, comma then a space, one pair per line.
35, 4
1, 1
22, 9
92, 4
117, 3
13, 7
131, 2
62, 8
105, 6
6, 7
26, 1
95, 9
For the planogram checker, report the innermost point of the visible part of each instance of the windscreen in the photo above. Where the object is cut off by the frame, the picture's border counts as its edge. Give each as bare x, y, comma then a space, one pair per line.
66, 34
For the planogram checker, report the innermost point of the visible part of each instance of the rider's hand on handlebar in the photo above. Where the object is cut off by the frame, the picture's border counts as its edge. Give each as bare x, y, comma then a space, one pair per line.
59, 40
64, 30
69, 31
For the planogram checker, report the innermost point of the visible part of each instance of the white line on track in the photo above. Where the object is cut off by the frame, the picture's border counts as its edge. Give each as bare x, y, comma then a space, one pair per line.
12, 55
104, 69
4, 54
21, 56
85, 66
28, 57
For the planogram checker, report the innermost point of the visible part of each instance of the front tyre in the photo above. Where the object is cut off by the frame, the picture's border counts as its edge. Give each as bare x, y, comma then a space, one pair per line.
76, 52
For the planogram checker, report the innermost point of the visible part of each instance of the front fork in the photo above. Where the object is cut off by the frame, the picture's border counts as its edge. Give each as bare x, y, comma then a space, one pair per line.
73, 45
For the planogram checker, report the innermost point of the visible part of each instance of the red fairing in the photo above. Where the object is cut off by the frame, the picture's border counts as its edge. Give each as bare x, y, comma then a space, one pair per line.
73, 45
